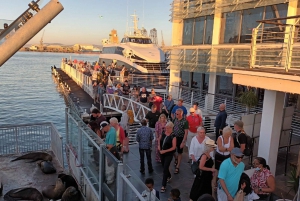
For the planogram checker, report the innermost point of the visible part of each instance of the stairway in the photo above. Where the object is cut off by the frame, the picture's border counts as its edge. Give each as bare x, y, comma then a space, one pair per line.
132, 132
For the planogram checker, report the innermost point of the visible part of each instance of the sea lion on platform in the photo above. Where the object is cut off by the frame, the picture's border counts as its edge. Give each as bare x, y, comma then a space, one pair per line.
54, 191
46, 167
23, 194
68, 180
71, 194
35, 156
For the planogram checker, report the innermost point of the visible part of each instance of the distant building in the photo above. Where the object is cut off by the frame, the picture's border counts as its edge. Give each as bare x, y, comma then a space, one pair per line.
33, 48
80, 47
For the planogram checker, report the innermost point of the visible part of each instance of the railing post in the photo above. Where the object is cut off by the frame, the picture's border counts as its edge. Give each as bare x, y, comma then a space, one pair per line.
120, 182
67, 124
192, 97
101, 170
79, 143
17, 144
289, 48
253, 46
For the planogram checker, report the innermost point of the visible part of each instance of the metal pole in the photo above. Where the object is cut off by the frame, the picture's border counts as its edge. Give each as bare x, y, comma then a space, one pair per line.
120, 182
67, 124
29, 30
79, 143
101, 170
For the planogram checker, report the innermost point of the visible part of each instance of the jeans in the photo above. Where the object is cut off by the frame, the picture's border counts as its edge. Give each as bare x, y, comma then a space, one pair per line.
149, 162
165, 161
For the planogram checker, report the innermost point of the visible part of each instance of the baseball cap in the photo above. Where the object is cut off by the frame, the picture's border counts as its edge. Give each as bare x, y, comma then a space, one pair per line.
103, 124
237, 152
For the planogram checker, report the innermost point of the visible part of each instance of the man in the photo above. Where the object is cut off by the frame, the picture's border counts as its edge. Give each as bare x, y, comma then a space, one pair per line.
157, 100
111, 134
168, 104
229, 176
197, 109
180, 130
179, 105
220, 121
143, 97
194, 121
152, 117
97, 116
240, 138
126, 89
144, 137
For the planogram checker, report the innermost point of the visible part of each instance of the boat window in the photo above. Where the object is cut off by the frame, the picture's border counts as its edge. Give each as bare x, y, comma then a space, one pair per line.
140, 40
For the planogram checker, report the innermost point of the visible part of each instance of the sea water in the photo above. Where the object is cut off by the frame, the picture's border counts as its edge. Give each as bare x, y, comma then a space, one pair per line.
28, 91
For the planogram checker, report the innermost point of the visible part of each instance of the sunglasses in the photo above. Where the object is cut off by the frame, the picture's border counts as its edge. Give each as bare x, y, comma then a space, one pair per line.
239, 157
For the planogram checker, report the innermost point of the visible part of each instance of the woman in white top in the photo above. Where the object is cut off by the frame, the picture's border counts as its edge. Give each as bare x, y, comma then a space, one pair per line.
225, 145
198, 144
125, 126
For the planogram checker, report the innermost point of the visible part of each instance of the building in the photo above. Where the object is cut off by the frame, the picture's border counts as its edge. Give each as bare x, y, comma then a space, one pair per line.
222, 47
80, 47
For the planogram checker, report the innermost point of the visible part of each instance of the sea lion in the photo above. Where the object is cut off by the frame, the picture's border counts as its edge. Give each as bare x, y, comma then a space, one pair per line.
54, 191
46, 167
23, 194
71, 194
35, 156
68, 180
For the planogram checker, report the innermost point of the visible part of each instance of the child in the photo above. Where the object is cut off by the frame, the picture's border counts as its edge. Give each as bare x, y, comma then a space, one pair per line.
175, 195
151, 194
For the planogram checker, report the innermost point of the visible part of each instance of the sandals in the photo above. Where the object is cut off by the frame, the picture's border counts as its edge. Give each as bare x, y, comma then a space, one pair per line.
176, 162
169, 179
176, 171
163, 189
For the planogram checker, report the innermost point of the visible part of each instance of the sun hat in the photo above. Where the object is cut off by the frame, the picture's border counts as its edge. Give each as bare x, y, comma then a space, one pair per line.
103, 124
211, 143
237, 152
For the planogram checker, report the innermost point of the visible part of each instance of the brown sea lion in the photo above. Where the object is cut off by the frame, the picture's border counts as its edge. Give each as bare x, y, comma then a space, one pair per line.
54, 191
46, 167
23, 194
71, 194
35, 156
68, 180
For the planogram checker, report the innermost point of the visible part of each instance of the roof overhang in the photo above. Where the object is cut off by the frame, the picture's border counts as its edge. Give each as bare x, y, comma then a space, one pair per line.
265, 80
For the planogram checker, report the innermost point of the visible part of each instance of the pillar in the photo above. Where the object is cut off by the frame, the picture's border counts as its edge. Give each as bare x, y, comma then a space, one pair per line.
271, 127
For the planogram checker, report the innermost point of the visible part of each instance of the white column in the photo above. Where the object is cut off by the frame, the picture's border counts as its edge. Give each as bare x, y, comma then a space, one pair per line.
210, 99
271, 127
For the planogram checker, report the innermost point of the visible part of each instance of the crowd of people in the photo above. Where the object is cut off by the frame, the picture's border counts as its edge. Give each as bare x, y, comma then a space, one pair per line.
220, 174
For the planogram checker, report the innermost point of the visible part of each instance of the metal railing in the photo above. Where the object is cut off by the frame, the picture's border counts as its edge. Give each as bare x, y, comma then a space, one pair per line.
16, 139
104, 177
275, 47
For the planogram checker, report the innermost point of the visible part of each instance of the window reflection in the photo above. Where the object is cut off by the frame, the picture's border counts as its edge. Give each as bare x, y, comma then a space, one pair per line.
232, 27
196, 80
199, 30
185, 78
224, 85
187, 35
250, 18
209, 29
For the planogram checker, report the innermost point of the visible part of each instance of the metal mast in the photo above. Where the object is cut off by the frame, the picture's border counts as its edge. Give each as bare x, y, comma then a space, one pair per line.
153, 36
162, 40
42, 42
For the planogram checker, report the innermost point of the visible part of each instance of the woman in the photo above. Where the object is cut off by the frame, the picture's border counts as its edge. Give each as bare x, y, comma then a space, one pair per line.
101, 92
202, 182
262, 181
95, 92
159, 129
225, 144
125, 126
166, 147
198, 144
134, 93
120, 132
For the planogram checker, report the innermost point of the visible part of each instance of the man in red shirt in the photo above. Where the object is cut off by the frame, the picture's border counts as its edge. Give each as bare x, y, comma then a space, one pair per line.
194, 122
157, 100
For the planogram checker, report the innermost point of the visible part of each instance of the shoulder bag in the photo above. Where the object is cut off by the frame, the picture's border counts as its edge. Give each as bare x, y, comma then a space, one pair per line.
195, 168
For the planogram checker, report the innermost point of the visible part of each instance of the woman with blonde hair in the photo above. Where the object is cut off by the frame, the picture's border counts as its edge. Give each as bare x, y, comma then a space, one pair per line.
225, 144
159, 129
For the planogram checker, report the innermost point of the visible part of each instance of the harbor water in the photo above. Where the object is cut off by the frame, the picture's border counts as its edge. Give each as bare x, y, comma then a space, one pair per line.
28, 92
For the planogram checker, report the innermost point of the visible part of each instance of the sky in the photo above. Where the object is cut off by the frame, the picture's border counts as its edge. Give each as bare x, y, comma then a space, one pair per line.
80, 21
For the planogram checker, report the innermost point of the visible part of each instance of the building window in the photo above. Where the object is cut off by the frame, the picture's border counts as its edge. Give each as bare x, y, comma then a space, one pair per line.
187, 36
199, 30
196, 80
185, 78
232, 28
224, 85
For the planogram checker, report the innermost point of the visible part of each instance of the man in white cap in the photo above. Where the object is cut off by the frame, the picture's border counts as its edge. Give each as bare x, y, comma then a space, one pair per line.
194, 121
229, 175
111, 134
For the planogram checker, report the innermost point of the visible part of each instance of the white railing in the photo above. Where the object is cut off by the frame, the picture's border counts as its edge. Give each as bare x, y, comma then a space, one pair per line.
16, 139
116, 102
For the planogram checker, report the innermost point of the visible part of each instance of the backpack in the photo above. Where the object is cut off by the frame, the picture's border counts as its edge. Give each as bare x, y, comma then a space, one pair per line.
249, 144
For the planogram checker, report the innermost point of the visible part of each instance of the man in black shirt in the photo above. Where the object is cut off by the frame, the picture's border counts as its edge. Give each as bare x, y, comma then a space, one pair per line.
152, 117
143, 96
126, 89
220, 121
240, 138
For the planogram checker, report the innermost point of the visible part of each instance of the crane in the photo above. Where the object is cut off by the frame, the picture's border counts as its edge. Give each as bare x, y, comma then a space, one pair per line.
42, 42
162, 40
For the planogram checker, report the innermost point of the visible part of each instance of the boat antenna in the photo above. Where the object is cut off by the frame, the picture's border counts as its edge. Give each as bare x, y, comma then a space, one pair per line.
143, 13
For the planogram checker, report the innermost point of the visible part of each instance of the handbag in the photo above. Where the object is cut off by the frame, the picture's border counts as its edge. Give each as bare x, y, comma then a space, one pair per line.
195, 168
115, 152
239, 196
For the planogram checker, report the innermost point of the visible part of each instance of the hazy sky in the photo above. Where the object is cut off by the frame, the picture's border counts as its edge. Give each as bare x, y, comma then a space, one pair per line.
80, 21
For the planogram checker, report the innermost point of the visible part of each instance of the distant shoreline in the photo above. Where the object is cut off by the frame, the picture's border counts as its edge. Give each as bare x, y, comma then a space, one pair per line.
22, 50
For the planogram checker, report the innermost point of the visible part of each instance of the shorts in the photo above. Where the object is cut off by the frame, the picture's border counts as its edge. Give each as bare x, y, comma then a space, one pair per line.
178, 143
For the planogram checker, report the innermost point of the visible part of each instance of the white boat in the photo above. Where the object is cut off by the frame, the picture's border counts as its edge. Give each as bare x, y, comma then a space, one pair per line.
136, 52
